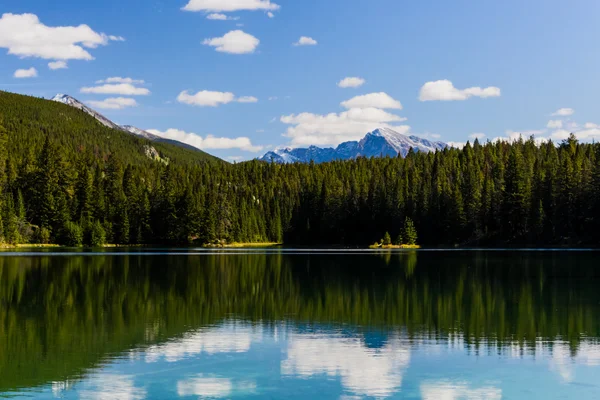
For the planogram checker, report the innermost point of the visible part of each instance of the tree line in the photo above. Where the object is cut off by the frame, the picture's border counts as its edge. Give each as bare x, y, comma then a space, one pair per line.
68, 183
493, 194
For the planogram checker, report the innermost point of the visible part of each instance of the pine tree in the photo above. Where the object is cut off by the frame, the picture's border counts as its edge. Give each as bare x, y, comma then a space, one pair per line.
98, 235
387, 239
399, 240
516, 207
410, 232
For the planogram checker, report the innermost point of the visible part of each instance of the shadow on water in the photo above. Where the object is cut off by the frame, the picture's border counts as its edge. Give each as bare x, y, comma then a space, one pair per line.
62, 316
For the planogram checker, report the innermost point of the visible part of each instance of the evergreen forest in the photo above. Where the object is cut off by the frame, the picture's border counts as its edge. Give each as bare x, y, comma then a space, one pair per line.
66, 179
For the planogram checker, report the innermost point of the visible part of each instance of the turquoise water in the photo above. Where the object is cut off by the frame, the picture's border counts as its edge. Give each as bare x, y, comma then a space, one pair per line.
272, 324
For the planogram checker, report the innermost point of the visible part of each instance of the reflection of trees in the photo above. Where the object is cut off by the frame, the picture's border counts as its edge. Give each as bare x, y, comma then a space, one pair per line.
60, 316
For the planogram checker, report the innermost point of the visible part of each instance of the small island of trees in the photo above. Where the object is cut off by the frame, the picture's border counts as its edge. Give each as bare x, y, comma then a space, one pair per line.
406, 239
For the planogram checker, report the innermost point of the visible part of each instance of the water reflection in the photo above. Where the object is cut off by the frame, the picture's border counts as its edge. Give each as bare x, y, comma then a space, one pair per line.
111, 387
444, 390
228, 338
213, 387
416, 325
365, 371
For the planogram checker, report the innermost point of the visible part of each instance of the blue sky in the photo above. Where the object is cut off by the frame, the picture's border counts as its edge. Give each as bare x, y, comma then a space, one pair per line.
524, 59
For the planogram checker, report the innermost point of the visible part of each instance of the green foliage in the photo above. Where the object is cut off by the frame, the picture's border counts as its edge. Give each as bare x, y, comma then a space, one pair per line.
42, 236
399, 240
387, 239
410, 232
71, 235
97, 235
58, 165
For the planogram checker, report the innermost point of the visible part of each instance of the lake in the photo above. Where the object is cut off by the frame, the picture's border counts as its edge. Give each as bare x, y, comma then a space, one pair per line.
188, 324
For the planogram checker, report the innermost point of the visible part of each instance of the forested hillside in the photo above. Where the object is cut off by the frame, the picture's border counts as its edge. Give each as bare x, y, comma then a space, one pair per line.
66, 179
28, 120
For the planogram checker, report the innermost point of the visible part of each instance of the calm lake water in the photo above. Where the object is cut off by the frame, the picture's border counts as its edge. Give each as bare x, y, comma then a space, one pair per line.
271, 324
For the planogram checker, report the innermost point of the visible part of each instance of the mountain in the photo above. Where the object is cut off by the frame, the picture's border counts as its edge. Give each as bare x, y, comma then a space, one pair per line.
78, 129
379, 143
155, 138
139, 132
73, 102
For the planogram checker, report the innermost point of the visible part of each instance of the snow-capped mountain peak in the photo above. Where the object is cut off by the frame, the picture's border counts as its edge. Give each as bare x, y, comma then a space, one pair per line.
139, 132
73, 102
379, 143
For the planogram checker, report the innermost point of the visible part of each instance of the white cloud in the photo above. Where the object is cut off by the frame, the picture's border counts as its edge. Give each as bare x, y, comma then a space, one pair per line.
363, 371
436, 136
458, 145
376, 100
512, 136
273, 98
57, 65
306, 41
230, 5
477, 136
26, 73
561, 134
444, 90
563, 112
351, 82
555, 124
247, 99
446, 390
112, 386
209, 142
221, 17
207, 98
118, 79
333, 129
125, 89
270, 14
114, 103
25, 36
590, 132
525, 134
234, 42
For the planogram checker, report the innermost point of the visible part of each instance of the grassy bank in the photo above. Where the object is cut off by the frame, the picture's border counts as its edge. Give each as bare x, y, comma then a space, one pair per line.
242, 245
394, 246
23, 246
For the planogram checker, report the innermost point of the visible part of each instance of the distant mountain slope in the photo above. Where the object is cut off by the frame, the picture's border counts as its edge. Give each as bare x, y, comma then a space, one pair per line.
379, 143
73, 102
155, 138
75, 128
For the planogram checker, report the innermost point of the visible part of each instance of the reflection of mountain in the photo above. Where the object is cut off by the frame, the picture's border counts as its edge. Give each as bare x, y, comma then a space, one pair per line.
74, 311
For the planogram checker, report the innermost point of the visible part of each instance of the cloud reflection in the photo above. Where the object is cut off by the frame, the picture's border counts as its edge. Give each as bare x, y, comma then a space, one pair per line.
111, 387
445, 390
228, 338
363, 371
207, 387
212, 387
